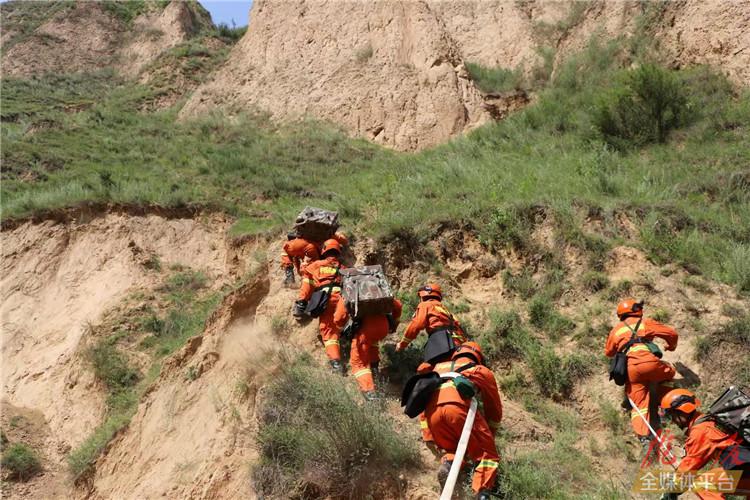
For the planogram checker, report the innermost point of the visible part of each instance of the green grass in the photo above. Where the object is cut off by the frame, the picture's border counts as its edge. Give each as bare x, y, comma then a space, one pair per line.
20, 461
495, 79
304, 455
496, 179
542, 315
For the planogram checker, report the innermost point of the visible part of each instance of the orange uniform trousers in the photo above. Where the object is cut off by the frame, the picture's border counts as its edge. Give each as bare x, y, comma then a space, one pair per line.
446, 423
365, 352
641, 377
329, 332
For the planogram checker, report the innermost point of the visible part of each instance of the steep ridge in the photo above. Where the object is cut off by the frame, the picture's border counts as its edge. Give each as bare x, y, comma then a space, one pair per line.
393, 72
387, 71
57, 279
85, 36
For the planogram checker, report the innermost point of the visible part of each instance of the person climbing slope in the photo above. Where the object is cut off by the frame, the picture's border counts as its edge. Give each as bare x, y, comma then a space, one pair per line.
706, 443
443, 329
366, 334
446, 413
633, 337
321, 282
298, 252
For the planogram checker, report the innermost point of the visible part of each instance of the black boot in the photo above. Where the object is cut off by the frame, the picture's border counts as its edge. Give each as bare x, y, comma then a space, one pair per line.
484, 495
299, 309
337, 367
443, 471
370, 395
289, 277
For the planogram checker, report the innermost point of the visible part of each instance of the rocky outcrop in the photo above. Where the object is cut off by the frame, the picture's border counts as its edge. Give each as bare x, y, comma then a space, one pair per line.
388, 71
86, 37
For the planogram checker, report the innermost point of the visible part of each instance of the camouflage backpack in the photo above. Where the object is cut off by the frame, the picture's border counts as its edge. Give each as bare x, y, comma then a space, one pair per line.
366, 291
731, 412
316, 224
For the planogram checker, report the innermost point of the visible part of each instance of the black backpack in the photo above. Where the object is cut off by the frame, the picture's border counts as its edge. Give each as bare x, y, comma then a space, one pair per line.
618, 366
419, 389
731, 412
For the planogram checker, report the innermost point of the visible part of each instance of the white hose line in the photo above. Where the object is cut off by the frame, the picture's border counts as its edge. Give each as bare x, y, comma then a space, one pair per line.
450, 483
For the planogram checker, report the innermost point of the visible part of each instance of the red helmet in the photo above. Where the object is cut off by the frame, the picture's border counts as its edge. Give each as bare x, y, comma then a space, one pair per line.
430, 290
629, 307
470, 349
680, 400
330, 246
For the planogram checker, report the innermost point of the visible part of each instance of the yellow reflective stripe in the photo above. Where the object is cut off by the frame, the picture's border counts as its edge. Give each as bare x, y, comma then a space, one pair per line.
423, 424
362, 372
488, 463
443, 364
636, 413
624, 329
328, 270
308, 280
336, 289
447, 385
639, 347
330, 342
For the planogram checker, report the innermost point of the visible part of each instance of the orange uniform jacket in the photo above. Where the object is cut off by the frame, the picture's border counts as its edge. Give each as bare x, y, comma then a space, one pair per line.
431, 315
483, 380
298, 251
320, 273
704, 444
649, 329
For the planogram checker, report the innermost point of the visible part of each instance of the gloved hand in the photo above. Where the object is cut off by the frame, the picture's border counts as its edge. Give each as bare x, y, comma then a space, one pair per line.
299, 308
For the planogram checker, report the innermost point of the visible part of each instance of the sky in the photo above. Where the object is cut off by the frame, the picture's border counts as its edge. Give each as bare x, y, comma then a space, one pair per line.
224, 11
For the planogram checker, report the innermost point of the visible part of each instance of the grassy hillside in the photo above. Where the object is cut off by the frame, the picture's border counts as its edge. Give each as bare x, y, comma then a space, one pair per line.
73, 139
606, 156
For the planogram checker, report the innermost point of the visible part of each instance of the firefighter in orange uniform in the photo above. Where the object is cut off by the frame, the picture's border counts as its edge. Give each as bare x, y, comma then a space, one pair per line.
446, 413
365, 356
431, 315
317, 276
298, 252
706, 443
646, 371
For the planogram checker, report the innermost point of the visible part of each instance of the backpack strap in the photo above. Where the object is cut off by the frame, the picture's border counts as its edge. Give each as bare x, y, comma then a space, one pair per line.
634, 338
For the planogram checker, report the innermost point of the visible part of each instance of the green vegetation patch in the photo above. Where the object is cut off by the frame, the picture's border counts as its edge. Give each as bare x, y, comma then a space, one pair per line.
20, 461
491, 80
304, 455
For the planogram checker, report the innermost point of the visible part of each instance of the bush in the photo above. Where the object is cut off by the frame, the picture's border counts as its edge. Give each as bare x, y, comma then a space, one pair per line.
521, 283
21, 461
594, 281
495, 79
543, 315
644, 108
318, 439
505, 338
111, 366
556, 376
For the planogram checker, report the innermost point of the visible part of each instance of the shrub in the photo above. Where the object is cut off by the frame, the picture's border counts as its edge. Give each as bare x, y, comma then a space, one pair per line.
509, 228
521, 283
612, 417
644, 108
111, 366
318, 439
619, 290
543, 315
495, 79
661, 315
506, 337
556, 376
21, 461
594, 281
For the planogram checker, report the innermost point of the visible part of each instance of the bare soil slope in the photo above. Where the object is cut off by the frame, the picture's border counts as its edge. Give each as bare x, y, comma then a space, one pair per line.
57, 279
393, 72
86, 37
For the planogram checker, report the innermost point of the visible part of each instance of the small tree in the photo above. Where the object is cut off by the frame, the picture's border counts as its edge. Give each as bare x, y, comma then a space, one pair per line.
647, 104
